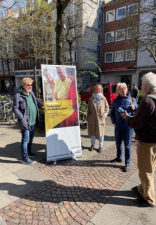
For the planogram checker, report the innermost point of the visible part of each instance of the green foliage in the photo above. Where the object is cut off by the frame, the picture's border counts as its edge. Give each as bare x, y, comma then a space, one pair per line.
92, 62
79, 98
2, 98
89, 71
83, 106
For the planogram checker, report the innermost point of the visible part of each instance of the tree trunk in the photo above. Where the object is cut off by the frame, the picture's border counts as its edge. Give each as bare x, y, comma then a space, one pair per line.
59, 34
35, 78
70, 52
9, 75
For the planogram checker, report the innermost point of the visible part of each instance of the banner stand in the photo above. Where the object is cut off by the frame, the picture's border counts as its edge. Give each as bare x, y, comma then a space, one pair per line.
63, 140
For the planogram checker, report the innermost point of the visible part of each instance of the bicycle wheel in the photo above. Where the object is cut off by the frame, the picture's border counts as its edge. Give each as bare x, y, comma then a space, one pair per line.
8, 113
1, 112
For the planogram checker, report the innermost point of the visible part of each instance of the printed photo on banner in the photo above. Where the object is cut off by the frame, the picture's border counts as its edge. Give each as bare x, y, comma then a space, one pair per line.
60, 96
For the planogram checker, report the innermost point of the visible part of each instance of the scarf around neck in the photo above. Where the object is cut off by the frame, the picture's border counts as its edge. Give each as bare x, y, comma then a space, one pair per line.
97, 97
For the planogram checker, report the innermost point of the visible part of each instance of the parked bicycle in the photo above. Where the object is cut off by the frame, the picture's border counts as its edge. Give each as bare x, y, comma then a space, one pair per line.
6, 111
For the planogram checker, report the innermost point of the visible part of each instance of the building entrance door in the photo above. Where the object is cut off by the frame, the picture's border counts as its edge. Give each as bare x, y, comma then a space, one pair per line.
127, 79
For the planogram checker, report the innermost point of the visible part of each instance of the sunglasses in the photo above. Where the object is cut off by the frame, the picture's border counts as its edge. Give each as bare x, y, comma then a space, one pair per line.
29, 85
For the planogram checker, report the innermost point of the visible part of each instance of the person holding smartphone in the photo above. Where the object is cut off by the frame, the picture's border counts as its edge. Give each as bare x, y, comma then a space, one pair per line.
123, 133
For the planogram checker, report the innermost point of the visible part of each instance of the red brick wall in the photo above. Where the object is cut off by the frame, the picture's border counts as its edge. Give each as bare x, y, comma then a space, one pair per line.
117, 25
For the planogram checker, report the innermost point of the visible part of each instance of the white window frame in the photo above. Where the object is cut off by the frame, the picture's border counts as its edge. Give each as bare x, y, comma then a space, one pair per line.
113, 16
116, 58
122, 37
74, 56
112, 33
126, 55
11, 65
5, 66
67, 57
130, 28
132, 14
106, 55
121, 17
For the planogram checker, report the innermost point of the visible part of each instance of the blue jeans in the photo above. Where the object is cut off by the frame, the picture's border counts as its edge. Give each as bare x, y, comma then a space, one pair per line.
27, 138
126, 136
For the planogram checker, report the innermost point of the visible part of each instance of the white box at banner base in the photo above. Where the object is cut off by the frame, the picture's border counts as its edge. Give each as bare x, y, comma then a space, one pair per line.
61, 112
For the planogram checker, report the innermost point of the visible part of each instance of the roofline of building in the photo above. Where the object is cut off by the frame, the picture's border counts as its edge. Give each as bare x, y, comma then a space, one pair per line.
109, 3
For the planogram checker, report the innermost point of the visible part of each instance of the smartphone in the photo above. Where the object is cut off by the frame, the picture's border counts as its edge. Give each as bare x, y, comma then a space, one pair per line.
121, 110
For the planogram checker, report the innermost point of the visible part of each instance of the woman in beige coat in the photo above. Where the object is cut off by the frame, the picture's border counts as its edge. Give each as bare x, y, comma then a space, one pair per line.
98, 110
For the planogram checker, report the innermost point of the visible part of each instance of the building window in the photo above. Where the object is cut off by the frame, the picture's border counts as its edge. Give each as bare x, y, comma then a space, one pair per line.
9, 47
154, 2
121, 13
0, 66
154, 23
119, 56
5, 66
108, 57
20, 64
133, 9
131, 32
67, 57
44, 61
120, 35
11, 65
109, 37
130, 55
110, 16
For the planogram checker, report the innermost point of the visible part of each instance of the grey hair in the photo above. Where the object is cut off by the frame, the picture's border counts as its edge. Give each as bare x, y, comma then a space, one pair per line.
149, 80
120, 85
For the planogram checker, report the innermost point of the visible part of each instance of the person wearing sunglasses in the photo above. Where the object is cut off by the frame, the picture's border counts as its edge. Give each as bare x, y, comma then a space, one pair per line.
26, 108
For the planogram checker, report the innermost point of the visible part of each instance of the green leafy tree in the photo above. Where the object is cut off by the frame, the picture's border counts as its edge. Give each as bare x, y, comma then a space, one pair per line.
33, 35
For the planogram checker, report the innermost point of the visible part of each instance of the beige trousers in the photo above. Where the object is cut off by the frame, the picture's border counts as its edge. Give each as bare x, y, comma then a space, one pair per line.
146, 153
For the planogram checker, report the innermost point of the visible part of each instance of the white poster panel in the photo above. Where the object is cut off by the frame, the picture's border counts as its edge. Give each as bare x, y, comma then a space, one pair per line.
61, 112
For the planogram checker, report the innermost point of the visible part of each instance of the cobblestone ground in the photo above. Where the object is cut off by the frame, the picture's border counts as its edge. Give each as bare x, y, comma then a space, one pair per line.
76, 192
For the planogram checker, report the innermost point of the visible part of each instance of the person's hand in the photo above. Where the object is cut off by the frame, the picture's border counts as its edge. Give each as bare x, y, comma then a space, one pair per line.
124, 115
132, 107
42, 107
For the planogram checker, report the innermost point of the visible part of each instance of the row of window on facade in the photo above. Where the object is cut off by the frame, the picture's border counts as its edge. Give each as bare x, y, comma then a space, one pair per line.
5, 66
122, 12
120, 56
67, 57
120, 34
22, 64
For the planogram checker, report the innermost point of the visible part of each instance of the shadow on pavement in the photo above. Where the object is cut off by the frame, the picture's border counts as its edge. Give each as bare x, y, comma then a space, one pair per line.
13, 151
49, 191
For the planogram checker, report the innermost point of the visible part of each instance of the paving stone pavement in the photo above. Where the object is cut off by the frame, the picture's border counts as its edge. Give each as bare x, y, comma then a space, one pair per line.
87, 191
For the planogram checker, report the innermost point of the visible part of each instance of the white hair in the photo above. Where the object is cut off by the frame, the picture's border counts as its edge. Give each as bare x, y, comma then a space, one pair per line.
149, 80
120, 85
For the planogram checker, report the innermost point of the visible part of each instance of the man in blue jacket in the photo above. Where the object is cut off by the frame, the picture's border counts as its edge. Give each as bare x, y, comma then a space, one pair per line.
122, 131
26, 108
